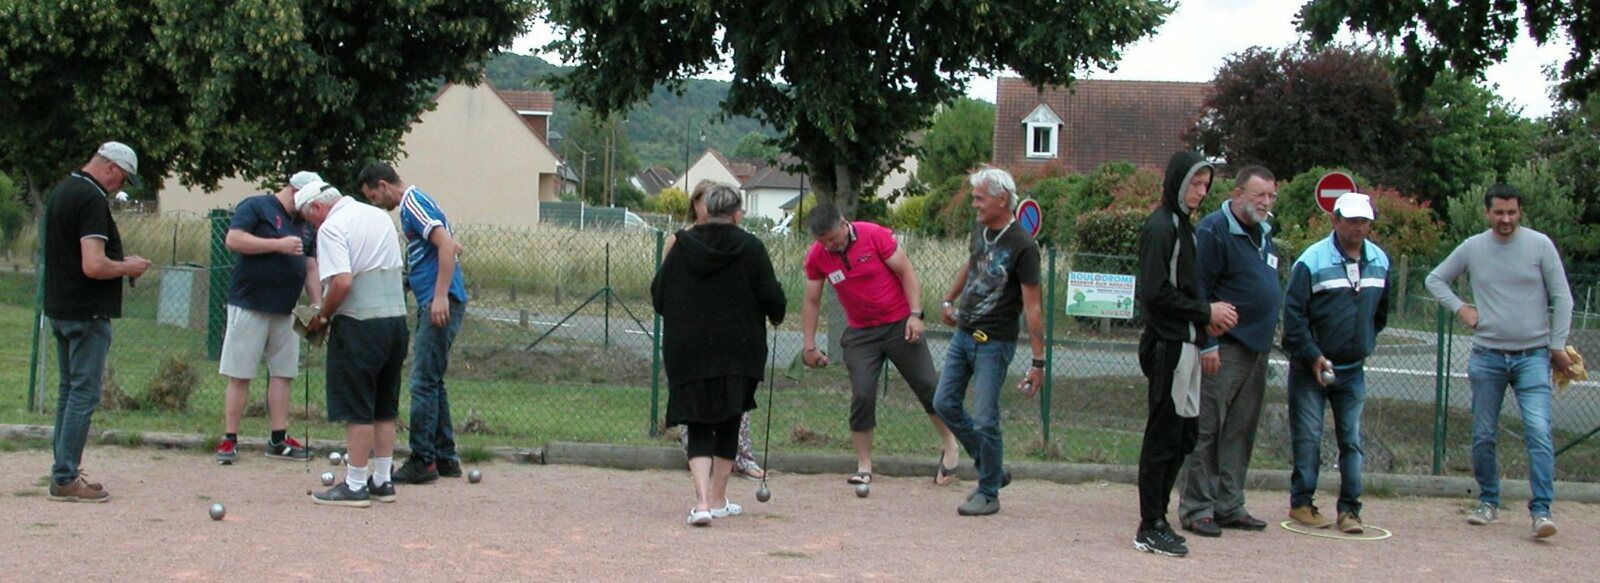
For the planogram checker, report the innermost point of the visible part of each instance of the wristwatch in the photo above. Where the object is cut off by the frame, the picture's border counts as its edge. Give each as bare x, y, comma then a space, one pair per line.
918, 314
1038, 363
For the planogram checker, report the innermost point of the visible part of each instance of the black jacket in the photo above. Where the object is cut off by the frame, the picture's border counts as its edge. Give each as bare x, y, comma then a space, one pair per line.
715, 292
1172, 311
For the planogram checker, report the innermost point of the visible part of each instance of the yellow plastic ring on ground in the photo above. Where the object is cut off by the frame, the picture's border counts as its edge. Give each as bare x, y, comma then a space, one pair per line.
1372, 533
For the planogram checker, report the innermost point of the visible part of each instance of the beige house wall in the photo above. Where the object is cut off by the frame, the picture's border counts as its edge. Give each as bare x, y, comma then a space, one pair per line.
472, 153
708, 167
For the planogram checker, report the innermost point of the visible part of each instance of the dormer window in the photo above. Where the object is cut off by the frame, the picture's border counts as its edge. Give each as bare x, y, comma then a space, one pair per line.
1043, 132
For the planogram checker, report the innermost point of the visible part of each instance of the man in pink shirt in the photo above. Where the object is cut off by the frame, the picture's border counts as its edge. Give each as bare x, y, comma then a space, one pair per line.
883, 306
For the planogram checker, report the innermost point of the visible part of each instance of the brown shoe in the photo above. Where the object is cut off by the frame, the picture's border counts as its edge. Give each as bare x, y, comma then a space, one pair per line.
1349, 523
77, 491
93, 485
1309, 516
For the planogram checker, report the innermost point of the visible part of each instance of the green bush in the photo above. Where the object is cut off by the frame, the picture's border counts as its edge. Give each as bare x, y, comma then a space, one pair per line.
1111, 231
1404, 227
908, 216
13, 214
671, 202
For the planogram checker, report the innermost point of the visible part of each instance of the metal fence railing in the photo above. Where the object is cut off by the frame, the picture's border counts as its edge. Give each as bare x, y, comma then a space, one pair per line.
560, 345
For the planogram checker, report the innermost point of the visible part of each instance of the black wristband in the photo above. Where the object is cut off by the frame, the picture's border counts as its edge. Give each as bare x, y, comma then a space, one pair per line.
1038, 363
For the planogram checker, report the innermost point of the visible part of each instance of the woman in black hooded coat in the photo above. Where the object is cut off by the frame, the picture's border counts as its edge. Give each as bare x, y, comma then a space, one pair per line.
715, 293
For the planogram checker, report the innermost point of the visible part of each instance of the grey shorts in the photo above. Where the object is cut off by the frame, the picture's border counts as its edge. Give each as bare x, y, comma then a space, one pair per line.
252, 336
865, 349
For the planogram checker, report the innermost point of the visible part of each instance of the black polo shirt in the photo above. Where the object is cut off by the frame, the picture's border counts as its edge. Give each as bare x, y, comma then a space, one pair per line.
78, 209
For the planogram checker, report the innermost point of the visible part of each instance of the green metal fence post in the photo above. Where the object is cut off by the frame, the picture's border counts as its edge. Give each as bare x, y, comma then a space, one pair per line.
655, 352
38, 313
1441, 383
608, 295
221, 270
1049, 347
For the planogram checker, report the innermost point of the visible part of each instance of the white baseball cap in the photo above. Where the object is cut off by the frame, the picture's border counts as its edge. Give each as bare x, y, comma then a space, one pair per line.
121, 155
310, 191
1354, 205
302, 178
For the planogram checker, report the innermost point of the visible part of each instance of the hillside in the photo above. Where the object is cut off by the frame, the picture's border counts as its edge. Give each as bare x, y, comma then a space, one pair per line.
656, 129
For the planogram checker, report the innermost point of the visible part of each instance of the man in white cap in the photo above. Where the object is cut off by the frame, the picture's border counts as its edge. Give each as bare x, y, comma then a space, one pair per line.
275, 257
83, 270
364, 303
1337, 303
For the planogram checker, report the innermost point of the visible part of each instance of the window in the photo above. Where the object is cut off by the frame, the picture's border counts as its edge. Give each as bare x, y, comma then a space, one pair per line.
1041, 132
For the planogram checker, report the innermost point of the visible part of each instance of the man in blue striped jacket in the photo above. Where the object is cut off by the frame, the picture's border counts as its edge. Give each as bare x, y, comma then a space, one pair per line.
1337, 303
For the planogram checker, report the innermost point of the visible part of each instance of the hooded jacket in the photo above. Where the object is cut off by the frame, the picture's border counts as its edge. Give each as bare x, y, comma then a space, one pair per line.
1172, 306
715, 292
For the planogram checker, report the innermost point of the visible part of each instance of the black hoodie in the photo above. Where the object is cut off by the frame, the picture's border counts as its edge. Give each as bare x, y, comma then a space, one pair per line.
1172, 310
715, 292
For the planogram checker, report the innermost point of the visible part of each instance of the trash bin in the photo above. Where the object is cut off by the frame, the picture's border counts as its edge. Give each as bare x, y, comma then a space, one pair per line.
182, 292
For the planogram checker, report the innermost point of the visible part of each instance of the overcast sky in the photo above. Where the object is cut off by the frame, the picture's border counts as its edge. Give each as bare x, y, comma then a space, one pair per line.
1195, 40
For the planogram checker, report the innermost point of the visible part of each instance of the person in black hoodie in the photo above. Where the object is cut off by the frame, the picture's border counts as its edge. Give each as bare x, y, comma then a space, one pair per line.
1175, 321
713, 293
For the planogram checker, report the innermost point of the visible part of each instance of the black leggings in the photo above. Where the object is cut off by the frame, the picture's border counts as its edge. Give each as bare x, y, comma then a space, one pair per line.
720, 439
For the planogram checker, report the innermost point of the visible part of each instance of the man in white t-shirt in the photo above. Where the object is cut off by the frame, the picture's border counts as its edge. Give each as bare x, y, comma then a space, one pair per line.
364, 303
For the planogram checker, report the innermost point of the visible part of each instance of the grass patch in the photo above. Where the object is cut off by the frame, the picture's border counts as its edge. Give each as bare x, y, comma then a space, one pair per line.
42, 525
27, 493
202, 497
25, 444
788, 554
476, 454
42, 482
123, 438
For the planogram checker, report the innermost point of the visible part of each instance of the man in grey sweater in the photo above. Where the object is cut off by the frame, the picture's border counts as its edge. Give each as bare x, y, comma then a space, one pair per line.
1517, 278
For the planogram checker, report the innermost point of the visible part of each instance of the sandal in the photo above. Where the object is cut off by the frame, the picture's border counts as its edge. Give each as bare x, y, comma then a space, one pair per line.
699, 517
945, 475
860, 478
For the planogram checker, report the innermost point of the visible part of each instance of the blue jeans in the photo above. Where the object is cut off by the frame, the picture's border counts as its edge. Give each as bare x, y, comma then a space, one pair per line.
985, 365
1528, 374
81, 348
1347, 395
431, 434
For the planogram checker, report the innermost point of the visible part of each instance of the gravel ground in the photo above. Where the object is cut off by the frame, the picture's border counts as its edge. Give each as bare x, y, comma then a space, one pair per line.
526, 522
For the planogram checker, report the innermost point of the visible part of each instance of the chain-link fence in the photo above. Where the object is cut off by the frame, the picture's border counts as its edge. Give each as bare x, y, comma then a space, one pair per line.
560, 344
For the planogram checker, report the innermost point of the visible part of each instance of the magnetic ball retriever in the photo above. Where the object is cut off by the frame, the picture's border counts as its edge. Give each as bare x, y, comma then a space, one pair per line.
218, 511
763, 494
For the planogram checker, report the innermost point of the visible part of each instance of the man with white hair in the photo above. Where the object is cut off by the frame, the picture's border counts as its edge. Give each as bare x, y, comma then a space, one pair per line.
364, 303
84, 266
275, 258
998, 283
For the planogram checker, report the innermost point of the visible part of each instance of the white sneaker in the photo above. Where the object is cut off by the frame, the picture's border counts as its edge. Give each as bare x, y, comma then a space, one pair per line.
1543, 527
728, 509
699, 517
1485, 513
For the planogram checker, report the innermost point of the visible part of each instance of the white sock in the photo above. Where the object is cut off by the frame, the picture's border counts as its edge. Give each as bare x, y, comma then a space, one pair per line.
381, 467
355, 477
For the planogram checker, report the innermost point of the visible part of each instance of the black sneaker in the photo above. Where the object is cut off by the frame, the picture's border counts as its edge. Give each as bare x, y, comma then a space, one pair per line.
449, 468
1160, 540
384, 493
416, 471
342, 495
288, 450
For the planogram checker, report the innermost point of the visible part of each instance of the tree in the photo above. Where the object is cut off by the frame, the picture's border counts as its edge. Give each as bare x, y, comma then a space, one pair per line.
1296, 109
588, 141
755, 146
1570, 141
209, 89
960, 137
1465, 37
844, 81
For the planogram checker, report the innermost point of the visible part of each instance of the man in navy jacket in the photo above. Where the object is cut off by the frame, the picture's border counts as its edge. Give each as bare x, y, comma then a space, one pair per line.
1337, 303
1238, 264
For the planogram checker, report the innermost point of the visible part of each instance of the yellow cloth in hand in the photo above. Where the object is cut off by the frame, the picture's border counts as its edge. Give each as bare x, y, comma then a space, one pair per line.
302, 318
1574, 373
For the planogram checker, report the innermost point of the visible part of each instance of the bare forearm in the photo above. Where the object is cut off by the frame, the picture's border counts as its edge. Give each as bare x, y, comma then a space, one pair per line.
957, 285
808, 313
338, 290
313, 282
248, 244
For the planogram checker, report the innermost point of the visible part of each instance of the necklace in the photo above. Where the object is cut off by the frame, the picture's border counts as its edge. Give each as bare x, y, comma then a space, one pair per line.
987, 243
